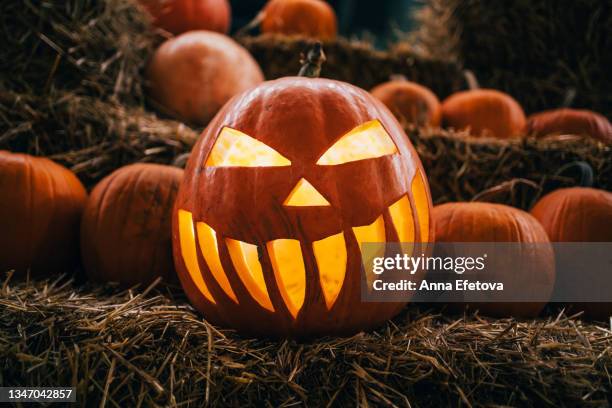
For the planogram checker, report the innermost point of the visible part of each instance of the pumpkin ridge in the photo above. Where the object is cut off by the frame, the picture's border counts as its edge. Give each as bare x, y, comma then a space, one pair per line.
156, 247
53, 210
32, 184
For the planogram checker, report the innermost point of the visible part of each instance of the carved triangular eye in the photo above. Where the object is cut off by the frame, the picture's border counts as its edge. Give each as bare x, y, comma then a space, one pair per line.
236, 149
367, 141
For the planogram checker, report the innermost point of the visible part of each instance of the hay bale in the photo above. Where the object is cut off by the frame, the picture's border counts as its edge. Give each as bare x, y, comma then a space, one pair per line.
463, 168
89, 47
150, 348
534, 50
89, 136
354, 62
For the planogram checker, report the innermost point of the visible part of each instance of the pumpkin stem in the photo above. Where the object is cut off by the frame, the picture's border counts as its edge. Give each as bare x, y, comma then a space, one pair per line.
398, 78
312, 62
580, 172
569, 97
255, 22
471, 80
512, 190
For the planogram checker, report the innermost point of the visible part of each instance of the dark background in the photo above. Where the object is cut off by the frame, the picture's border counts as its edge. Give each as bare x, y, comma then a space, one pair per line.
376, 19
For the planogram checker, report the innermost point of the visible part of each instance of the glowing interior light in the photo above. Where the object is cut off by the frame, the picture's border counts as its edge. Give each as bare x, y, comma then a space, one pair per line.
422, 204
374, 232
236, 149
330, 254
289, 271
403, 222
189, 254
207, 238
304, 194
246, 261
366, 141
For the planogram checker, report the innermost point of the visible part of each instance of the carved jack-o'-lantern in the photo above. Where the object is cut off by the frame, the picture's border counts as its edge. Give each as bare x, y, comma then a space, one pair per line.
281, 189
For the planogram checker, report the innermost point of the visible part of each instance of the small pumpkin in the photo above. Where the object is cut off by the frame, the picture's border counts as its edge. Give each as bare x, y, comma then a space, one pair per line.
488, 222
310, 18
484, 112
180, 16
570, 121
40, 212
193, 75
578, 214
126, 226
410, 102
279, 192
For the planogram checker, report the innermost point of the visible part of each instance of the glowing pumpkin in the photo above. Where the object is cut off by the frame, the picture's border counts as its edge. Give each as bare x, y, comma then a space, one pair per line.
310, 18
193, 75
410, 102
126, 226
487, 222
180, 16
279, 192
484, 112
570, 122
40, 211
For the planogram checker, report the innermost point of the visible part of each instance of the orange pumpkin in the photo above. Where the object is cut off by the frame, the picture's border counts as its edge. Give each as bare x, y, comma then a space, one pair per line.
193, 75
572, 122
126, 226
179, 16
484, 112
578, 214
487, 222
39, 215
310, 18
279, 192
410, 102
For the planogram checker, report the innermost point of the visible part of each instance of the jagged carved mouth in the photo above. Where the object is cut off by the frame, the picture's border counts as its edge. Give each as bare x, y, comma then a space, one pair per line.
286, 256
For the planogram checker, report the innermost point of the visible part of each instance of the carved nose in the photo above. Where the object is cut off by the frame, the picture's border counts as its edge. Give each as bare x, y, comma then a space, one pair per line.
305, 195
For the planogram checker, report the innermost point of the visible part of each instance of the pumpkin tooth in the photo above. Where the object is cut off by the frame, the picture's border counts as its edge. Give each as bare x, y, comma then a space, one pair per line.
421, 199
207, 237
403, 222
246, 263
189, 253
374, 232
289, 272
331, 257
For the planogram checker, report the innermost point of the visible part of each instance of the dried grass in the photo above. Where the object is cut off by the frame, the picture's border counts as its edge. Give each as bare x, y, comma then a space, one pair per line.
149, 348
90, 136
514, 172
88, 47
